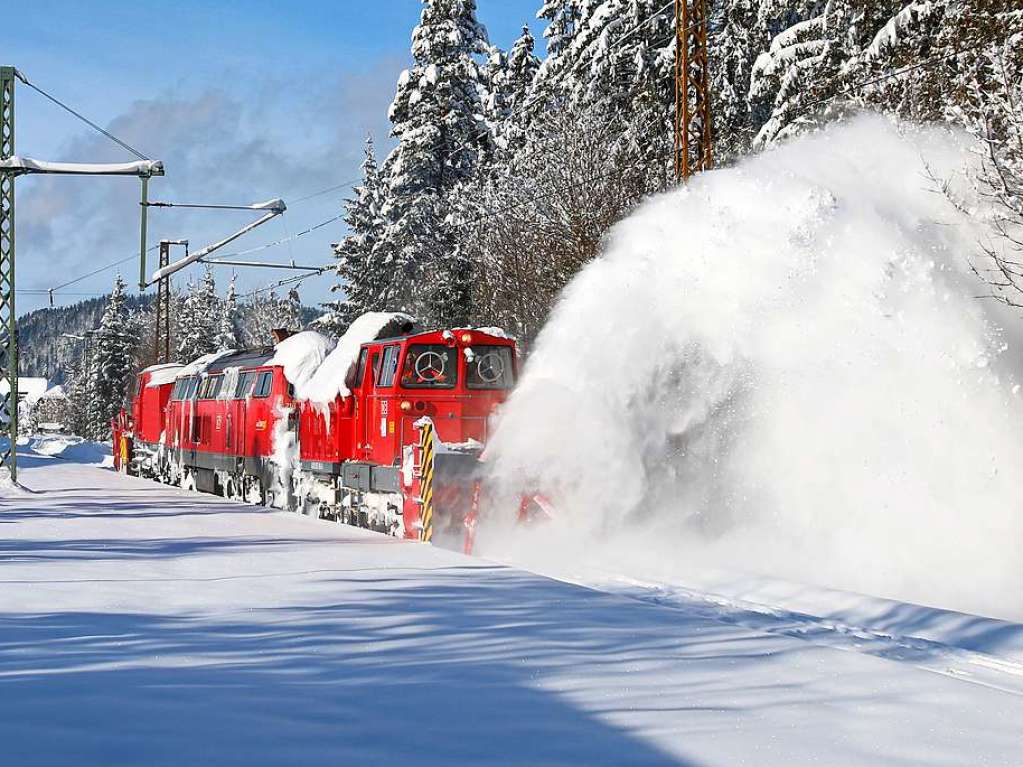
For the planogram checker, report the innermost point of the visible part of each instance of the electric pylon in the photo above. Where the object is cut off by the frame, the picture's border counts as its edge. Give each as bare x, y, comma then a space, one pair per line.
8, 318
161, 342
693, 126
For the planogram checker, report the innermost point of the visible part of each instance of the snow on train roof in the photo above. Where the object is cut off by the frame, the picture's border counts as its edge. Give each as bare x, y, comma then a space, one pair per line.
203, 363
329, 379
301, 355
242, 358
314, 364
162, 374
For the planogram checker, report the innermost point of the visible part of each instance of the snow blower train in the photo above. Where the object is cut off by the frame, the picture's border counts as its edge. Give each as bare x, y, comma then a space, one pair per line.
393, 446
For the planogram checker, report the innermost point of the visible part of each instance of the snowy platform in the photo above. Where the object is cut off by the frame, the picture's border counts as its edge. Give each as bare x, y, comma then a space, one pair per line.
143, 625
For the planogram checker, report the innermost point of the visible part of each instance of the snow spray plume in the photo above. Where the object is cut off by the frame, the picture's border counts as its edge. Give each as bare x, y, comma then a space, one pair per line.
783, 368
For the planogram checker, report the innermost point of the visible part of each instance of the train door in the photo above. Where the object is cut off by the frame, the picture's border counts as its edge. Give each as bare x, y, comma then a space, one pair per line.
239, 421
351, 428
381, 421
261, 413
365, 403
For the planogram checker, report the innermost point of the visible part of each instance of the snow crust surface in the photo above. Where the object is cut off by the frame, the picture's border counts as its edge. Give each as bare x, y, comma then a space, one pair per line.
783, 368
143, 624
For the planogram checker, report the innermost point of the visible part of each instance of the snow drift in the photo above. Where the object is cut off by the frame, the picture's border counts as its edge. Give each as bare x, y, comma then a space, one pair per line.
783, 368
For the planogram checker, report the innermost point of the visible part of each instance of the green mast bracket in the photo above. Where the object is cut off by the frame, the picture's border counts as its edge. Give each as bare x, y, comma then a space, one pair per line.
8, 317
12, 166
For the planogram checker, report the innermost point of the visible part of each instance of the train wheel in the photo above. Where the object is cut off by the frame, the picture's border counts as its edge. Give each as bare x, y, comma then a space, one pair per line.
237, 487
253, 491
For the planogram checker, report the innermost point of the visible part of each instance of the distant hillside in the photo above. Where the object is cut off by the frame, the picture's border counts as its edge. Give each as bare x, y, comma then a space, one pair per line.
45, 352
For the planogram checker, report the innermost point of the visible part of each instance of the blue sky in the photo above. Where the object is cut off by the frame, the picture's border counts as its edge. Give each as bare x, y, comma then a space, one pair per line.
242, 100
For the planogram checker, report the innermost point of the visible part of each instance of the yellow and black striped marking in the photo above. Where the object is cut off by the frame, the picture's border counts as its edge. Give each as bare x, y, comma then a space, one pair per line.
426, 483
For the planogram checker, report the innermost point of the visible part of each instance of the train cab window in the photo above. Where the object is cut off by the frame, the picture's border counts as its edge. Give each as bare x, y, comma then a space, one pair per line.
244, 386
179, 387
388, 366
430, 366
489, 367
263, 384
193, 386
354, 380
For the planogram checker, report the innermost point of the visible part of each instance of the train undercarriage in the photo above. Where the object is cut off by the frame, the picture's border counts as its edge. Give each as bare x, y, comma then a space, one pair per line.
385, 499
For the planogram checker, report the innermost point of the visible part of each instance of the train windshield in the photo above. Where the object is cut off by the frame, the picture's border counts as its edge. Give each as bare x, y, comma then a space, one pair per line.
489, 367
430, 366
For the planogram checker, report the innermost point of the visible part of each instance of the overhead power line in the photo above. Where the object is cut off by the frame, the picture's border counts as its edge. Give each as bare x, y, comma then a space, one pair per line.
80, 116
336, 187
281, 241
506, 209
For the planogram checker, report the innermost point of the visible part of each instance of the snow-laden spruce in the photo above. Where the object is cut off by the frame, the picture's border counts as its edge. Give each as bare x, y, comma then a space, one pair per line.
111, 367
198, 323
438, 119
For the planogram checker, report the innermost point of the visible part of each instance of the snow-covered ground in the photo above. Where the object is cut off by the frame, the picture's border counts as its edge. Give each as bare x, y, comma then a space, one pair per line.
143, 625
68, 448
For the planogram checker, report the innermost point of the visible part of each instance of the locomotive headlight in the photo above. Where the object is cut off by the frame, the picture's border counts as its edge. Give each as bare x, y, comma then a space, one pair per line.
466, 338
405, 406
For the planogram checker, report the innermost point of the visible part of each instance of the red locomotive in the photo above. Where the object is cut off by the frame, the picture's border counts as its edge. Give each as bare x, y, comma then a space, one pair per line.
399, 436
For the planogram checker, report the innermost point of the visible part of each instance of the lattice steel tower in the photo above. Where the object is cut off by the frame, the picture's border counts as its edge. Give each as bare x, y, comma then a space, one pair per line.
693, 126
8, 318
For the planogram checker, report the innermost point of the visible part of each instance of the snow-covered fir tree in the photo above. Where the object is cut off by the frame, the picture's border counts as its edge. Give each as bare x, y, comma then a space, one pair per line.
438, 119
227, 330
78, 389
808, 65
736, 43
267, 312
363, 266
456, 212
511, 79
113, 364
198, 321
562, 17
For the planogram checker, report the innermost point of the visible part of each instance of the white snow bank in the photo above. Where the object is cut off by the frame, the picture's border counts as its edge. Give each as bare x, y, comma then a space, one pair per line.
782, 368
69, 448
300, 355
30, 388
55, 392
329, 380
162, 374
